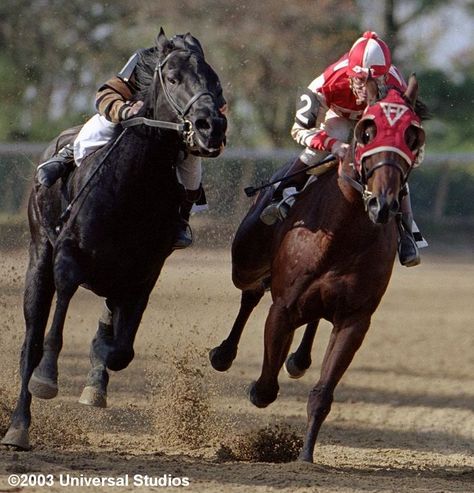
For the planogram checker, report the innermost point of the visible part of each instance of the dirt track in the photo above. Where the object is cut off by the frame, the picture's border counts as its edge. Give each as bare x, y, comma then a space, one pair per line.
402, 419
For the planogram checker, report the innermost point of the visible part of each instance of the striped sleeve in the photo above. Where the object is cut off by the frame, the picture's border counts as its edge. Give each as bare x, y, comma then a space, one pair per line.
111, 99
315, 136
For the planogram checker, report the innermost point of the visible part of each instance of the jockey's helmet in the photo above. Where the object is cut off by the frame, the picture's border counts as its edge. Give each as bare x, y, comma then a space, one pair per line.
369, 53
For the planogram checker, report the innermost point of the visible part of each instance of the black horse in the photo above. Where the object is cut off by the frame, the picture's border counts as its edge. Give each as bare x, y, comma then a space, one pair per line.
124, 204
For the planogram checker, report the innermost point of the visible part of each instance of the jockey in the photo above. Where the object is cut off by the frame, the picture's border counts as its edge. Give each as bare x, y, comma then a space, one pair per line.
114, 103
326, 115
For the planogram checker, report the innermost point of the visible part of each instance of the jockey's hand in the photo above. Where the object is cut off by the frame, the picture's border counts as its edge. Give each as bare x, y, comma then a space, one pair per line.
224, 109
340, 149
132, 109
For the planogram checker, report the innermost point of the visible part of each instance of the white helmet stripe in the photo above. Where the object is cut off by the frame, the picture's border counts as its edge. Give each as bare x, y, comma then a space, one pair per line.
373, 54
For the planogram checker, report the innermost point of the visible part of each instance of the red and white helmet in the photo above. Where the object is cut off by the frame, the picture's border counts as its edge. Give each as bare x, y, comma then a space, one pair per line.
369, 52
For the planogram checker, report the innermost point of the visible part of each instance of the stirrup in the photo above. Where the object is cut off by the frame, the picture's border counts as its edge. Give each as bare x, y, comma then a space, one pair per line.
408, 252
279, 210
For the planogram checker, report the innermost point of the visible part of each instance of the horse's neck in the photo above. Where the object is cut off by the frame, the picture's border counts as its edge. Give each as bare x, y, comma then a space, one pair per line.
350, 219
139, 158
138, 174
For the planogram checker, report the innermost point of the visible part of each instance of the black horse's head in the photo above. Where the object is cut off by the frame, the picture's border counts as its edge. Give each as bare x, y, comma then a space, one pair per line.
182, 87
389, 142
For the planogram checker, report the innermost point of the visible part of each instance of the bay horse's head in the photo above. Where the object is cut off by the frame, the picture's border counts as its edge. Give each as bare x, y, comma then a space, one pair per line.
388, 144
185, 89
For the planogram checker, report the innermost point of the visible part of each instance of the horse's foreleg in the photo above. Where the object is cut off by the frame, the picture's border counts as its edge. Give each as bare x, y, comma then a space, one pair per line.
277, 342
39, 292
222, 356
298, 362
117, 351
44, 380
95, 390
344, 342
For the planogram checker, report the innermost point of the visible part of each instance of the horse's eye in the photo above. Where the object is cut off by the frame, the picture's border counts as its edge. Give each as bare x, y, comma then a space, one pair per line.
172, 80
366, 133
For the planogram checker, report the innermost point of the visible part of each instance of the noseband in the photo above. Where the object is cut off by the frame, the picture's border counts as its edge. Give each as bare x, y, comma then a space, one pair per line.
360, 183
185, 127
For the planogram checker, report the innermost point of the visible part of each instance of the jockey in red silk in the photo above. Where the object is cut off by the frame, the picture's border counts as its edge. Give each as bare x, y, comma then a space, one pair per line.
326, 114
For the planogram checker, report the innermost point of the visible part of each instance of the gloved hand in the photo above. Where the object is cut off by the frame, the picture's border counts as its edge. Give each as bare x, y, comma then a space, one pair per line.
340, 149
132, 109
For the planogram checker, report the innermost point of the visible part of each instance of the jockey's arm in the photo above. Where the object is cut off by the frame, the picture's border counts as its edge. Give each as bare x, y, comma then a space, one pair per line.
308, 129
113, 100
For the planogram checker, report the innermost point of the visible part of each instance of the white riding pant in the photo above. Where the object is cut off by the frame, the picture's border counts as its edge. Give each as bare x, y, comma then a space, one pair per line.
98, 131
336, 127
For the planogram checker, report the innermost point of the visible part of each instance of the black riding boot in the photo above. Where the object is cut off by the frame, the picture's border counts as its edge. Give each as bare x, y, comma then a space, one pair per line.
184, 234
59, 165
279, 207
408, 252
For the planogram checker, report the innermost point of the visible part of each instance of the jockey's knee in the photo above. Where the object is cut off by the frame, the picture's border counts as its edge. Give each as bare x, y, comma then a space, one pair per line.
95, 133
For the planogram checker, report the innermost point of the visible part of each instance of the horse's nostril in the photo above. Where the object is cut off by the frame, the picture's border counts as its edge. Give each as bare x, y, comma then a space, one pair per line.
373, 205
394, 207
202, 124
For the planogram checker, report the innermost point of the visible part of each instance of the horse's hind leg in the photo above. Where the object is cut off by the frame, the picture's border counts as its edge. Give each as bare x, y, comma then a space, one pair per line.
298, 362
39, 292
222, 356
95, 390
345, 340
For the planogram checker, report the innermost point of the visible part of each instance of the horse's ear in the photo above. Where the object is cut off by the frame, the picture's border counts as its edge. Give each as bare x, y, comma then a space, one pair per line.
372, 90
411, 92
193, 43
163, 44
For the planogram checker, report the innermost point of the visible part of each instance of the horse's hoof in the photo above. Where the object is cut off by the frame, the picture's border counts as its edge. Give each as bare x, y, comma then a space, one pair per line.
257, 400
292, 370
41, 387
220, 359
17, 437
92, 396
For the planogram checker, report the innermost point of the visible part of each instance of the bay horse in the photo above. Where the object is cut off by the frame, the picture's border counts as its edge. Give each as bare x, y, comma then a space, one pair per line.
331, 258
123, 213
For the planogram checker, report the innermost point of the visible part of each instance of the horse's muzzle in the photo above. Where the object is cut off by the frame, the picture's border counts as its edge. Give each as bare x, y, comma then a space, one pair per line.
382, 208
209, 135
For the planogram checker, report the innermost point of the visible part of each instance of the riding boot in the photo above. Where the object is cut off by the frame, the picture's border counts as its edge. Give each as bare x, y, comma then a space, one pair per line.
184, 234
59, 165
408, 252
283, 195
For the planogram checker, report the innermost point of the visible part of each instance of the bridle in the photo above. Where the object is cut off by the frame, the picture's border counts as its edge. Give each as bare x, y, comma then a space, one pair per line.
185, 127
